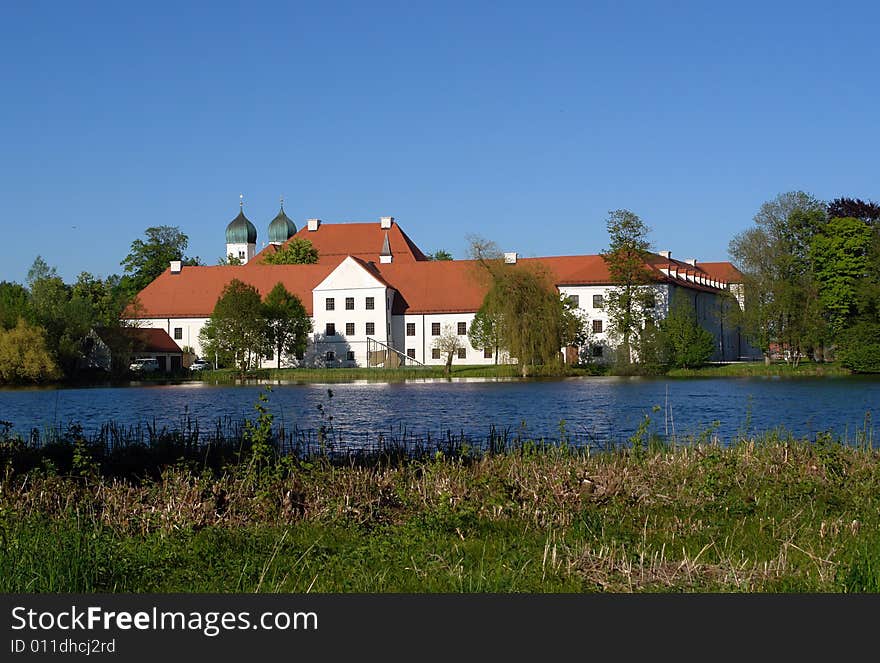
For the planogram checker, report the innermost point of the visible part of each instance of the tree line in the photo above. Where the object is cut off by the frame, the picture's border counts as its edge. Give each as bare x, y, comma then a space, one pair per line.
525, 316
48, 327
812, 280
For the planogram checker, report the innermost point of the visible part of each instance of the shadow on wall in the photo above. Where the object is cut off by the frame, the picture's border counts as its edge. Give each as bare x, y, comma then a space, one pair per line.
326, 351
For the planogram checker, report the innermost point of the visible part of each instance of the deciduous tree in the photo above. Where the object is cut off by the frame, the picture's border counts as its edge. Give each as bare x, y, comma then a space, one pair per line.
24, 355
448, 343
236, 327
297, 251
856, 208
626, 260
534, 322
782, 301
486, 330
287, 323
14, 304
148, 258
840, 256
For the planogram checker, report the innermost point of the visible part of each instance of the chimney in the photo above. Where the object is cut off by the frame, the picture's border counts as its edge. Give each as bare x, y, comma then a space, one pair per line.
510, 258
691, 261
313, 224
385, 222
176, 266
666, 254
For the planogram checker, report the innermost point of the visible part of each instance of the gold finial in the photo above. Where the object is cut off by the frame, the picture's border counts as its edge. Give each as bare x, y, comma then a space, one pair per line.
241, 201
282, 203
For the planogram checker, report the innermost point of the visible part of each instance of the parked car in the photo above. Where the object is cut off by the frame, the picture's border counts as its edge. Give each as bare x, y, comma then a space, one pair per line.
144, 365
201, 365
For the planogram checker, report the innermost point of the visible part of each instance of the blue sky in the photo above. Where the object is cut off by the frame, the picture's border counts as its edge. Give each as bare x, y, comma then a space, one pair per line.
524, 123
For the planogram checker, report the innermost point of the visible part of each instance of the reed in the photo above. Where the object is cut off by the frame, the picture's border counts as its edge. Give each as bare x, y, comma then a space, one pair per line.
764, 514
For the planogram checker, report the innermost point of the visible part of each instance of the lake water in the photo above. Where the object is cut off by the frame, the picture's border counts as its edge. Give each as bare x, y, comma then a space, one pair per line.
594, 410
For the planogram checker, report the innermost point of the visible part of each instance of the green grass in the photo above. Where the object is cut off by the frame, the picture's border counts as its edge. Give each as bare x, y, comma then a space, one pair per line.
772, 515
507, 371
758, 368
395, 374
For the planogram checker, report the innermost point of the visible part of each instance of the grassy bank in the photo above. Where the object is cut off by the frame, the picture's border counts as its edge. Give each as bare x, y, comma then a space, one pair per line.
759, 368
396, 374
767, 515
507, 371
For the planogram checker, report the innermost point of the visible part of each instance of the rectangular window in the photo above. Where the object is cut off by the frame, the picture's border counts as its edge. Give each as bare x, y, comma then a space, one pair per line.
435, 353
462, 353
487, 353
410, 329
330, 329
598, 301
371, 329
462, 329
650, 300
178, 333
575, 300
435, 329
330, 304
371, 303
349, 303
241, 255
350, 355
597, 350
349, 329
597, 326
411, 353
330, 355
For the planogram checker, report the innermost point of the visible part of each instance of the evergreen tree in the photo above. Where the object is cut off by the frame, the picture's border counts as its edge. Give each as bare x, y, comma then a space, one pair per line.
687, 344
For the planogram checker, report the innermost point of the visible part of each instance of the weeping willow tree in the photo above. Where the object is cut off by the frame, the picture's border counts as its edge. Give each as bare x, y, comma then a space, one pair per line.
533, 321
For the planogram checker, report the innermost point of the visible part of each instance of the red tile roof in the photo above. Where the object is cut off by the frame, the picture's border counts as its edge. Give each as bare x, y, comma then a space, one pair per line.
362, 240
723, 271
152, 340
441, 286
423, 286
194, 291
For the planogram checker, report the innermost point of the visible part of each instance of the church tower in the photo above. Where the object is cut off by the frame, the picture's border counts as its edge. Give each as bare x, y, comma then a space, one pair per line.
281, 228
241, 237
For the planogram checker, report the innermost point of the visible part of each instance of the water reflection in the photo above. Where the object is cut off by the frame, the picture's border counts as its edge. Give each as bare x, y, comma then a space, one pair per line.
598, 408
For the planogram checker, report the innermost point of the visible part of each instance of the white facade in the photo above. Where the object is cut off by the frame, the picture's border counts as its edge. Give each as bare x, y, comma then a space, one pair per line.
419, 331
184, 331
353, 304
243, 252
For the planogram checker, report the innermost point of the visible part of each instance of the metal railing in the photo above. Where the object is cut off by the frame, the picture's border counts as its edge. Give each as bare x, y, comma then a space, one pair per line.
381, 354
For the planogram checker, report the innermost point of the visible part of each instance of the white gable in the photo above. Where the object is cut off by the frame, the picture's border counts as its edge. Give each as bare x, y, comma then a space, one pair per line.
349, 275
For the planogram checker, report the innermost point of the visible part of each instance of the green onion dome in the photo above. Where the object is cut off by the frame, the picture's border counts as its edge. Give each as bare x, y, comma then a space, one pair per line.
281, 228
241, 231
